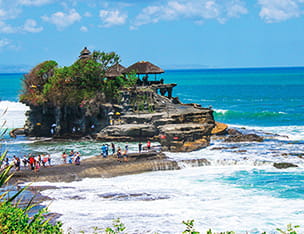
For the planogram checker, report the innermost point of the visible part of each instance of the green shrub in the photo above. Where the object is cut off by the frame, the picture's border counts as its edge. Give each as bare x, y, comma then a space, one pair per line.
16, 220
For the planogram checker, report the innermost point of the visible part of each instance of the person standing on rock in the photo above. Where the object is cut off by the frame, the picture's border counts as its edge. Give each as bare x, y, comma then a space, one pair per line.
103, 151
32, 162
139, 147
107, 150
17, 163
71, 156
25, 161
125, 155
113, 148
148, 145
44, 161
77, 159
37, 166
64, 157
49, 159
119, 155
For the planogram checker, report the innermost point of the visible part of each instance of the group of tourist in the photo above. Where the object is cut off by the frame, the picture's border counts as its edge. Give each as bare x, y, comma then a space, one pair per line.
122, 154
29, 161
71, 158
35, 162
119, 153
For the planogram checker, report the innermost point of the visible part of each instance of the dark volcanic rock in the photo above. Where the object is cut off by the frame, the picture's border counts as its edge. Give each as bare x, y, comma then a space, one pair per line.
244, 138
284, 165
181, 128
131, 131
185, 137
17, 131
233, 132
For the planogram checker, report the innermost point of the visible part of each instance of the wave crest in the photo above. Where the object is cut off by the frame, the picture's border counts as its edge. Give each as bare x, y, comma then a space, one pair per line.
230, 113
14, 115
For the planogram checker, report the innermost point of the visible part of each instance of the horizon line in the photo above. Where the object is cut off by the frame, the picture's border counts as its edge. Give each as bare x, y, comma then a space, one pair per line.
195, 67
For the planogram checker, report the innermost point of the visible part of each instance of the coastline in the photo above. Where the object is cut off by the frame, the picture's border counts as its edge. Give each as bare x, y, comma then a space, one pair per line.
97, 166
283, 144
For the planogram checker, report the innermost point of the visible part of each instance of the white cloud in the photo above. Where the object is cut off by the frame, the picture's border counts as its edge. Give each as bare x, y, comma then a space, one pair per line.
62, 20
2, 13
30, 25
197, 10
4, 42
5, 28
87, 14
279, 10
235, 10
34, 2
83, 29
112, 18
9, 11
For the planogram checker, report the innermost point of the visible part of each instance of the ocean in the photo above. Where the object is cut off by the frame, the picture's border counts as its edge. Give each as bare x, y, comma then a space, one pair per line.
240, 190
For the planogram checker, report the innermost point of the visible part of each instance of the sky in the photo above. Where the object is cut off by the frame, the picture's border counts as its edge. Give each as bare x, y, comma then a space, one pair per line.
169, 33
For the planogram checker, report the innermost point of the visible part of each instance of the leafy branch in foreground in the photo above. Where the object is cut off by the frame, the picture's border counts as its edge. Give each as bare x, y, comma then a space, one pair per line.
118, 228
290, 229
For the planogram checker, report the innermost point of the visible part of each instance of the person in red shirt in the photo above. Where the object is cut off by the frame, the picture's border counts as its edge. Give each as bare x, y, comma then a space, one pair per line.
32, 162
148, 145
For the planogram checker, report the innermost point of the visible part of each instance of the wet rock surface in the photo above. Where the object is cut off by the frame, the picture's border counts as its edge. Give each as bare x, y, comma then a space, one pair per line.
244, 138
284, 165
133, 196
99, 167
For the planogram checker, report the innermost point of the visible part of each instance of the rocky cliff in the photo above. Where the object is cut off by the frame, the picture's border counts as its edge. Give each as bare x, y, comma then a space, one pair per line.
87, 100
177, 127
141, 115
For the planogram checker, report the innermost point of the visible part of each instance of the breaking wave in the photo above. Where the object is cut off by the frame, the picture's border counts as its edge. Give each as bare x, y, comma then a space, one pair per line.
13, 113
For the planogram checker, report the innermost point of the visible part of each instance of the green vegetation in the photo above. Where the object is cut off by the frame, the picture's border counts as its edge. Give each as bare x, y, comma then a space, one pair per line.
74, 85
14, 219
119, 228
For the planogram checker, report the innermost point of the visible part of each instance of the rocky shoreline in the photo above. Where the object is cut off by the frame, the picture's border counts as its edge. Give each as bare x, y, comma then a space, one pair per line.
97, 167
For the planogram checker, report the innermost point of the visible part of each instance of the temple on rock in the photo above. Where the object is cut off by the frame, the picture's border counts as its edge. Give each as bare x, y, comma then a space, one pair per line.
144, 70
98, 97
85, 53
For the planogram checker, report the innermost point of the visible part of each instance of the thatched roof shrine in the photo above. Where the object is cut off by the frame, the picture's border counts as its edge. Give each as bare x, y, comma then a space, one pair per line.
143, 67
114, 71
85, 53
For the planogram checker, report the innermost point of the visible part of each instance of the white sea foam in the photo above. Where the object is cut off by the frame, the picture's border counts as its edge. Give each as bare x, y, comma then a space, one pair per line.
14, 115
292, 132
160, 201
221, 111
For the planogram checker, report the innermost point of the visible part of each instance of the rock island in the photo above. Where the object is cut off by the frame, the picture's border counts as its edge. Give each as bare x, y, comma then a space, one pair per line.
97, 97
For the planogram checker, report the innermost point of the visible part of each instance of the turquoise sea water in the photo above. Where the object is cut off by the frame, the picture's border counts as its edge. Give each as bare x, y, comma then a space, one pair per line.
252, 96
265, 101
10, 86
